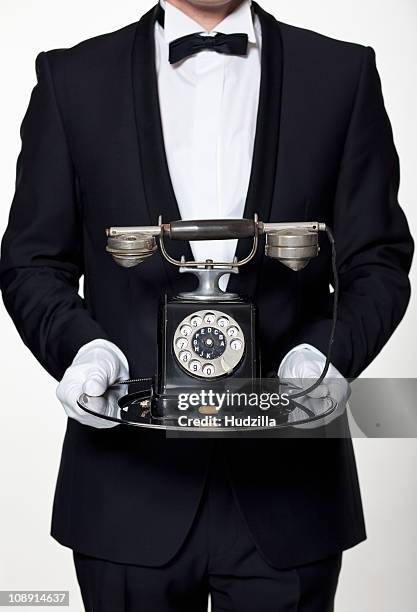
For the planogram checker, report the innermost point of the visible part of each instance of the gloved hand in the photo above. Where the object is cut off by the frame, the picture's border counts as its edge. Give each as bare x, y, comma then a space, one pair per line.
300, 368
96, 366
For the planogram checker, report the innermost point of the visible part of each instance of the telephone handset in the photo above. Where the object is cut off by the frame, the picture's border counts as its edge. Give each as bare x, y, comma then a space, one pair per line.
208, 336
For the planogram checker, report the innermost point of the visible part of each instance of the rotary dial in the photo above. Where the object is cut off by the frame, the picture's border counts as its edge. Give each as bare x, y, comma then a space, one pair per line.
209, 344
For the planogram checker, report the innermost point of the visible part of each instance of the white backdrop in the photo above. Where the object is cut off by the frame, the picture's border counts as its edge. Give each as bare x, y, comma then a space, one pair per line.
379, 575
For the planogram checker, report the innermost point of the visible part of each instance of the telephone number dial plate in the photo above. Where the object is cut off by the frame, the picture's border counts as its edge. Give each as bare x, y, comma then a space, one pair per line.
209, 344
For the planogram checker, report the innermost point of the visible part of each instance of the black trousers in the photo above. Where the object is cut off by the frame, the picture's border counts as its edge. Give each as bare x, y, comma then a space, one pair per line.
217, 558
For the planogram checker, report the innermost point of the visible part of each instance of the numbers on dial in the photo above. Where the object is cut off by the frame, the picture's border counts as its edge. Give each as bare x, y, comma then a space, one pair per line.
209, 369
186, 330
181, 343
196, 321
223, 322
236, 345
185, 356
195, 366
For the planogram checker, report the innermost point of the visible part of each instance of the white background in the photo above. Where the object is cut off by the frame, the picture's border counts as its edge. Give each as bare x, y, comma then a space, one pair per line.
379, 575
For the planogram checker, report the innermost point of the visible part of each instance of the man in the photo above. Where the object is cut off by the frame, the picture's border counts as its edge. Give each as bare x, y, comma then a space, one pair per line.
154, 119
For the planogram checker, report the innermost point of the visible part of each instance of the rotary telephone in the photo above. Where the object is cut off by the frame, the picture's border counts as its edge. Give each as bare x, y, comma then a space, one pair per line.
207, 338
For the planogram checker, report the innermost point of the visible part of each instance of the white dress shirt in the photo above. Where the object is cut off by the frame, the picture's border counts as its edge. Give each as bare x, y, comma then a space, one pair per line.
209, 105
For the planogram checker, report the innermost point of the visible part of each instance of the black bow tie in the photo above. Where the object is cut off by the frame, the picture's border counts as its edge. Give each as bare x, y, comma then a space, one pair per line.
228, 44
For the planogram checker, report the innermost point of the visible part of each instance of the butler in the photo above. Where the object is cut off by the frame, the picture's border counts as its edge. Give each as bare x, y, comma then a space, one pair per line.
204, 109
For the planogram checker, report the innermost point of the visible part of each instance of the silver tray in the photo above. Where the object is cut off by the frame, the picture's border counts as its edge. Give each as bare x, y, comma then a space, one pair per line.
133, 409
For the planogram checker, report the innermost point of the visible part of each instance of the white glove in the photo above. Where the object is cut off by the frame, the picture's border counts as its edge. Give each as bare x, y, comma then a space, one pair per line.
96, 366
300, 368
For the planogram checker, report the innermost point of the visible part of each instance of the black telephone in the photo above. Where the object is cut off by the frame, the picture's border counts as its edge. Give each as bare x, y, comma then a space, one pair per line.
208, 337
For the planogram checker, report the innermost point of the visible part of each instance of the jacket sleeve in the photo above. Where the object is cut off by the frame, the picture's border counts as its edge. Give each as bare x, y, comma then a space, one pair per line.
373, 242
41, 259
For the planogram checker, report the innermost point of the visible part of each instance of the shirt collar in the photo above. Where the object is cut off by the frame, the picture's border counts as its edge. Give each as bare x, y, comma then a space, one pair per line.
178, 24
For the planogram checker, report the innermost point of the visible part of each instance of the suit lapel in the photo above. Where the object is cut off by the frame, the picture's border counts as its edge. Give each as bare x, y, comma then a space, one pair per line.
262, 180
159, 192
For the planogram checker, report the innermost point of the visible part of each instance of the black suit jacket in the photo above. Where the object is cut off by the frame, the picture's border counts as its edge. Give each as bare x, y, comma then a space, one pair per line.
93, 156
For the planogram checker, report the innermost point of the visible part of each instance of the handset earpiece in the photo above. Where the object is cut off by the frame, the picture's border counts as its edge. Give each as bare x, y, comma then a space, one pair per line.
130, 250
293, 247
